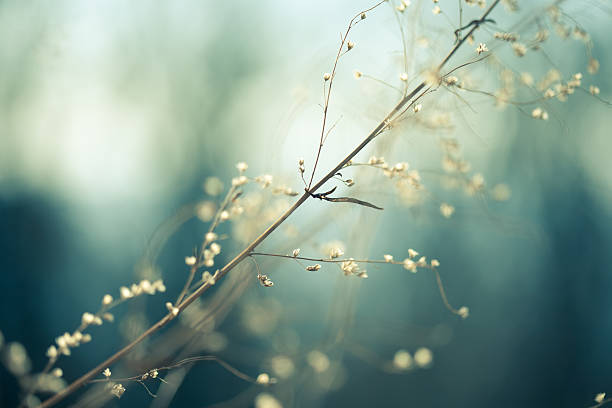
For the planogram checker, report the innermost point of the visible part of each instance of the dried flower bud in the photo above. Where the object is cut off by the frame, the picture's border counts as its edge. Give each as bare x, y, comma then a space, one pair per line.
447, 210
539, 113
482, 47
125, 292
315, 267
117, 390
172, 309
410, 265
242, 166
208, 278
87, 319
239, 181
52, 352
519, 49
107, 300
263, 379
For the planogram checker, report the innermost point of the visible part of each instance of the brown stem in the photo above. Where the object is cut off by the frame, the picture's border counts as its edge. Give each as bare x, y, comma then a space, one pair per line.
75, 385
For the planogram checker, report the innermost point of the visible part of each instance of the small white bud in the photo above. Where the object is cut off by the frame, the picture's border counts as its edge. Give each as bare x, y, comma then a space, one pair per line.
326, 76
52, 352
117, 390
482, 47
87, 318
410, 265
239, 181
125, 292
242, 166
172, 309
106, 372
208, 278
263, 379
190, 260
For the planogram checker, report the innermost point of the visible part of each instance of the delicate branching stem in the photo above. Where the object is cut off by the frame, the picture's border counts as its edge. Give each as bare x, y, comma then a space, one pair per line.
358, 17
191, 360
213, 226
328, 260
368, 261
85, 378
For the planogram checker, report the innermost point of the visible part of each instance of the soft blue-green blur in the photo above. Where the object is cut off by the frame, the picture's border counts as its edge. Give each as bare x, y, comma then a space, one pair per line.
113, 114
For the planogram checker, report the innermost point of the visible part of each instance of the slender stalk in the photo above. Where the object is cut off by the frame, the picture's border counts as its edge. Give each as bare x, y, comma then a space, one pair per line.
328, 260
213, 225
358, 17
85, 378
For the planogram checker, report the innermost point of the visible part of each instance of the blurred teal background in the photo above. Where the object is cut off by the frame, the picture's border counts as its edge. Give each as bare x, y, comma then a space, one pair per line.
113, 114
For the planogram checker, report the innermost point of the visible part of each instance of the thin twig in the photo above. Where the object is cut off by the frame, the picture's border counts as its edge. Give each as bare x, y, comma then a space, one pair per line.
370, 261
358, 17
190, 360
